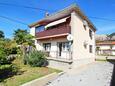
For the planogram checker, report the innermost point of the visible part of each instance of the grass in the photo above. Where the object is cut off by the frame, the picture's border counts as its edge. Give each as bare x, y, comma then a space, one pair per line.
27, 74
105, 55
104, 60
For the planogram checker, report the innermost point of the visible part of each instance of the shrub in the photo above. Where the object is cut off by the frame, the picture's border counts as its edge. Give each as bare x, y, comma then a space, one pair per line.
3, 57
9, 51
36, 59
7, 70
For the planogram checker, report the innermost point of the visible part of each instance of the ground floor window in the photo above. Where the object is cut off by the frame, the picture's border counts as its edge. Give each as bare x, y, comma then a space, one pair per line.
47, 46
65, 46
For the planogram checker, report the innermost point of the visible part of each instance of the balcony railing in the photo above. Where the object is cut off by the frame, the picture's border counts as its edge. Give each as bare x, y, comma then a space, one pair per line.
59, 30
65, 55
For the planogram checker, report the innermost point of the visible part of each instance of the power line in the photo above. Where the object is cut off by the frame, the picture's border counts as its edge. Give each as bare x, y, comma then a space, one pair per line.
13, 20
29, 7
100, 18
17, 21
8, 4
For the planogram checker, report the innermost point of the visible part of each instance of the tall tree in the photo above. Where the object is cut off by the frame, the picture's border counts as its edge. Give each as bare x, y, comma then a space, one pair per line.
24, 39
1, 34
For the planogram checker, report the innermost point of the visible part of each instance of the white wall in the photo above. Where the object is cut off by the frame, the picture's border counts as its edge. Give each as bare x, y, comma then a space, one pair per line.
104, 47
113, 53
113, 47
54, 47
79, 36
32, 31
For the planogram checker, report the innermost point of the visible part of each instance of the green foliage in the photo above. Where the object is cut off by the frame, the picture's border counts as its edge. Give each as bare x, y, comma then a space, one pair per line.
23, 39
22, 36
7, 70
36, 59
3, 59
1, 34
7, 47
19, 36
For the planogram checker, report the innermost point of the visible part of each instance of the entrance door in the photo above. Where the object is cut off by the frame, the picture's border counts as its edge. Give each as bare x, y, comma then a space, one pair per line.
59, 48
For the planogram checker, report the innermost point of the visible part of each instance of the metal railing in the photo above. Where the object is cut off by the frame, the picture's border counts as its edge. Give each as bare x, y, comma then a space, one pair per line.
67, 55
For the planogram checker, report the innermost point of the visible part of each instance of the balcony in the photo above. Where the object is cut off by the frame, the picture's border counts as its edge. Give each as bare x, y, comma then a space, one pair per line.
55, 31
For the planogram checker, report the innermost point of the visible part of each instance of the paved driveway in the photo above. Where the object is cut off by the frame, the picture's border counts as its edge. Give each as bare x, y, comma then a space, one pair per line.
98, 74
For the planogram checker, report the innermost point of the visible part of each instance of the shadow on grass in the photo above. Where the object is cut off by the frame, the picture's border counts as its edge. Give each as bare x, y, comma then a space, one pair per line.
113, 73
5, 74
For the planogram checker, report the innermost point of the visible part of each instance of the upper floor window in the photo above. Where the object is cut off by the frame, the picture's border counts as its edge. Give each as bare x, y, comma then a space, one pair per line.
39, 29
90, 33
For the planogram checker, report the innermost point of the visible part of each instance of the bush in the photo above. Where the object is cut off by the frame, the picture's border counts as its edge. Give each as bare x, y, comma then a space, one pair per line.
7, 70
36, 59
4, 59
9, 51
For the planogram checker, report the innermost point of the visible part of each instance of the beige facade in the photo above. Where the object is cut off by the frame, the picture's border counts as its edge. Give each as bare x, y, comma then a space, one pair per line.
82, 47
80, 36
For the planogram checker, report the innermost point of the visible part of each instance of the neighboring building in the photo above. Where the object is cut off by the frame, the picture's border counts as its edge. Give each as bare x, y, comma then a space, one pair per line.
105, 48
52, 33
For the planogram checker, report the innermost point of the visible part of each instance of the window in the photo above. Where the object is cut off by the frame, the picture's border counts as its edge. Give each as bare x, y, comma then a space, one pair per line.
47, 46
85, 44
90, 33
84, 26
90, 48
39, 29
65, 46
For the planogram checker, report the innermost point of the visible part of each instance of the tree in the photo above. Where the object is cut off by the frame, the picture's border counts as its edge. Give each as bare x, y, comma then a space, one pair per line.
1, 34
19, 36
24, 39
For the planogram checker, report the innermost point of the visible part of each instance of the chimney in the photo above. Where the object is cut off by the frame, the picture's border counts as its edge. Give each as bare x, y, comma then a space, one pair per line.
47, 14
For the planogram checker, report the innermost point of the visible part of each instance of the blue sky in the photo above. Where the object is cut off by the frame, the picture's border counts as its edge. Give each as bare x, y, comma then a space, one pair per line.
92, 8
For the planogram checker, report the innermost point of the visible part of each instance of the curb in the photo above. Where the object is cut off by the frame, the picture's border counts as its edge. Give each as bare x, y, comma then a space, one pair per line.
58, 75
43, 80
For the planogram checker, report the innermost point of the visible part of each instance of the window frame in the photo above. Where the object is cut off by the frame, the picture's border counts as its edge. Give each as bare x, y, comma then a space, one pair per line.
90, 33
39, 29
90, 48
65, 46
47, 46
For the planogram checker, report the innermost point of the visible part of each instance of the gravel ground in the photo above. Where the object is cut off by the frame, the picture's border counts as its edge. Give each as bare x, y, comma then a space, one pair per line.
98, 74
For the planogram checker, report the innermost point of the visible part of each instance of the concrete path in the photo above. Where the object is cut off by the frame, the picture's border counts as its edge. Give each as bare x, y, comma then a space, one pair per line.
98, 74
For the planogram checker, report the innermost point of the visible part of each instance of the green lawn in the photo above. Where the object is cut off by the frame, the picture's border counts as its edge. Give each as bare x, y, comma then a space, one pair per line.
27, 74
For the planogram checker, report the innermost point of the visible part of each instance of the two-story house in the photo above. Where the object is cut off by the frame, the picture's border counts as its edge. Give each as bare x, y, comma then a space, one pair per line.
67, 35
